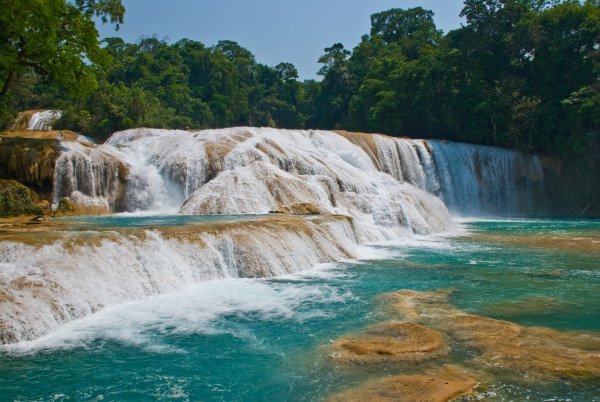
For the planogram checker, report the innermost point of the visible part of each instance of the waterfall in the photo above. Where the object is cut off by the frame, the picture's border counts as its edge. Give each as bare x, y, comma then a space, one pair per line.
254, 171
366, 188
90, 176
470, 179
257, 170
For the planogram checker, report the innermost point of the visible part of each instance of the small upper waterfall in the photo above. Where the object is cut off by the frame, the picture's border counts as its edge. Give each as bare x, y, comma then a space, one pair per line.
44, 120
37, 120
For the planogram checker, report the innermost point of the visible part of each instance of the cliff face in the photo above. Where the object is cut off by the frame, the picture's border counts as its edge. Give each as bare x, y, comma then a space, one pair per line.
28, 155
28, 159
573, 185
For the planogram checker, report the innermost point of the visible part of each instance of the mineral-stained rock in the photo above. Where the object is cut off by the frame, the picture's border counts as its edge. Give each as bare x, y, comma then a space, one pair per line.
536, 352
30, 161
60, 135
67, 207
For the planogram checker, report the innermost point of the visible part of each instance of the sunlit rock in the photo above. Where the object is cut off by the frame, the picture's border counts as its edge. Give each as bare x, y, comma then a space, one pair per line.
535, 352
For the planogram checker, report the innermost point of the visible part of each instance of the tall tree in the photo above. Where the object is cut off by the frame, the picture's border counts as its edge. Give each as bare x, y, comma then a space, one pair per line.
336, 87
413, 29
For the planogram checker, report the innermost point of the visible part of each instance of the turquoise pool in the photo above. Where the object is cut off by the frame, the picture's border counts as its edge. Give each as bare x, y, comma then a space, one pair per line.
265, 340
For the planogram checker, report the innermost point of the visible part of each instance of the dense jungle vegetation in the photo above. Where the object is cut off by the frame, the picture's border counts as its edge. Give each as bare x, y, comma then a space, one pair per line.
518, 73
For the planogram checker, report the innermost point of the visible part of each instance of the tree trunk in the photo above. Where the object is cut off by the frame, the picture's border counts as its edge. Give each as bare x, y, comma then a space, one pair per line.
7, 82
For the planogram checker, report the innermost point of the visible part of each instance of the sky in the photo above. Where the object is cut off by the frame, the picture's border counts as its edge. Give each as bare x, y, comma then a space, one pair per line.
294, 31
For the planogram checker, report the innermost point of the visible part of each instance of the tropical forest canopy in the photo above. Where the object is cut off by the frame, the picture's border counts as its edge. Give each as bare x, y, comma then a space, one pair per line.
519, 73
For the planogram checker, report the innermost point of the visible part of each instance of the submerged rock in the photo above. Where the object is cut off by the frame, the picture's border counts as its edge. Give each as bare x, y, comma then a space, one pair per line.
389, 342
437, 385
529, 305
535, 351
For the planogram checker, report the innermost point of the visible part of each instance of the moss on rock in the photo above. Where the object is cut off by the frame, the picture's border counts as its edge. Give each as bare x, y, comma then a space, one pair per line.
67, 207
16, 199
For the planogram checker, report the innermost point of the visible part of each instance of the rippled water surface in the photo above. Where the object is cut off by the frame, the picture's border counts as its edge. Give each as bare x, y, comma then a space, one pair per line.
267, 339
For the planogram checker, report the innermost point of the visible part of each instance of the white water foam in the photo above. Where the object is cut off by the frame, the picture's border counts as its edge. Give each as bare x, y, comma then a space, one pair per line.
202, 308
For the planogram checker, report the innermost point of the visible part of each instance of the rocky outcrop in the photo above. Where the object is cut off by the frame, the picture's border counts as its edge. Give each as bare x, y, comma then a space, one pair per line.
389, 342
534, 352
417, 345
94, 181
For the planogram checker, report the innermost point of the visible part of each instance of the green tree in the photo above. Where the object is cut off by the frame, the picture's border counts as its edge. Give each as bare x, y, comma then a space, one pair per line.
55, 38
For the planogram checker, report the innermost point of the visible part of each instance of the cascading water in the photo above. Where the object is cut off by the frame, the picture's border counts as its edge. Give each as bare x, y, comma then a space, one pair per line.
250, 170
179, 306
43, 286
90, 176
471, 179
255, 171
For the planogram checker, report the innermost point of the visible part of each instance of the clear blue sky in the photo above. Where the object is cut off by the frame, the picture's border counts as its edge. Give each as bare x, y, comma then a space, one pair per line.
275, 31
